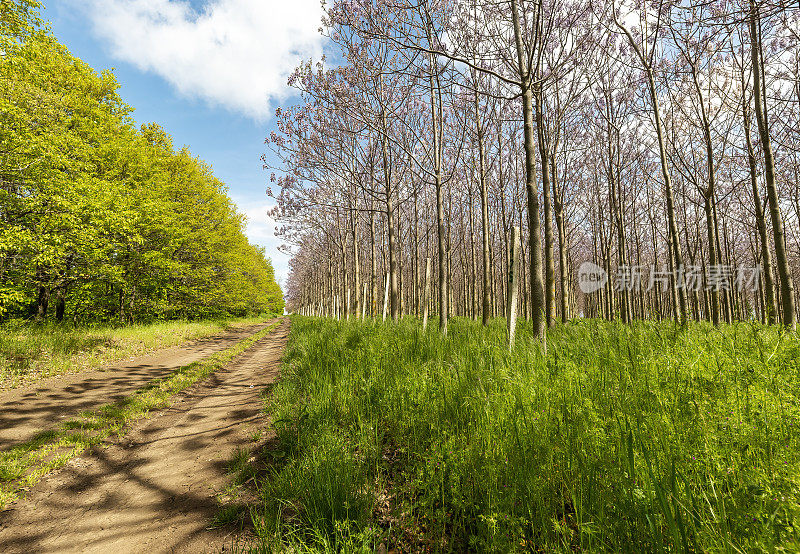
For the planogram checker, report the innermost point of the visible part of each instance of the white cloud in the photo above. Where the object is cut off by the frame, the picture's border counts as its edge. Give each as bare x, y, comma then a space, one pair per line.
261, 230
234, 53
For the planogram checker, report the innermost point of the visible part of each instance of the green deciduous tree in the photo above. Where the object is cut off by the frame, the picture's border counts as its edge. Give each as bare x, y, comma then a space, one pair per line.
100, 220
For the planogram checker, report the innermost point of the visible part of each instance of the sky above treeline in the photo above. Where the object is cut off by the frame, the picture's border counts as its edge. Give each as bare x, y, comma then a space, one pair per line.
210, 72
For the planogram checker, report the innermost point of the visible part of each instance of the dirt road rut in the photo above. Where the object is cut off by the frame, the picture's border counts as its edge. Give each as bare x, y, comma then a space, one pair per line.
44, 405
156, 490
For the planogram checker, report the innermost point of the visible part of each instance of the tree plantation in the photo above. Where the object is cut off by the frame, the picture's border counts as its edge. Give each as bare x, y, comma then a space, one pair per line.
624, 178
657, 140
99, 220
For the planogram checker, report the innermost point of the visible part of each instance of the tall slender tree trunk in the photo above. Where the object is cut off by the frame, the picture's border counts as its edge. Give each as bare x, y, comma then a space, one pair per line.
373, 265
484, 217
544, 163
725, 299
356, 265
558, 208
390, 227
678, 292
503, 216
426, 293
708, 195
616, 214
473, 285
444, 305
779, 237
769, 310
677, 256
415, 265
534, 226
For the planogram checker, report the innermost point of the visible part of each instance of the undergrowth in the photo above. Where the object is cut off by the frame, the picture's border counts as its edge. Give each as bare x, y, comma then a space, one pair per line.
639, 438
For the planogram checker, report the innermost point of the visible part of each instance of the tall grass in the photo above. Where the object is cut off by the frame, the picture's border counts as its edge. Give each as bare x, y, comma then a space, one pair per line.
640, 438
29, 352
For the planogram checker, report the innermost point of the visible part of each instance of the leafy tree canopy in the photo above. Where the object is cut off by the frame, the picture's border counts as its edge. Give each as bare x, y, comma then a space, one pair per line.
100, 220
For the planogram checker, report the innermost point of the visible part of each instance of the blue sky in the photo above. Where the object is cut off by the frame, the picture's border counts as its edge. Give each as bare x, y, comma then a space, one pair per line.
209, 72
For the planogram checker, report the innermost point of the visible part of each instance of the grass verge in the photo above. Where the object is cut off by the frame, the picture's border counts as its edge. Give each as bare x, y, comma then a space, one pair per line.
29, 352
622, 438
25, 464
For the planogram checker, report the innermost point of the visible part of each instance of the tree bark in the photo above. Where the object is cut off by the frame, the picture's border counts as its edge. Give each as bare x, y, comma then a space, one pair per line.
534, 227
390, 228
779, 237
544, 164
513, 287
769, 309
558, 208
444, 309
426, 294
484, 217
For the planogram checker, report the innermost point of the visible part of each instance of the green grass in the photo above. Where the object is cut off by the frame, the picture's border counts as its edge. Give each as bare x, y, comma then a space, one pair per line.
641, 438
29, 352
25, 464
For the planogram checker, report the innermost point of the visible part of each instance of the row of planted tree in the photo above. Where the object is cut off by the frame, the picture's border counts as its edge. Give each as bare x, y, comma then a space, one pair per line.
659, 140
333, 307
100, 220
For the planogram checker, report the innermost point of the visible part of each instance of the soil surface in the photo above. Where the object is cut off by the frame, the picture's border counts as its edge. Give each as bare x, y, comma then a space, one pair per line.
156, 490
28, 410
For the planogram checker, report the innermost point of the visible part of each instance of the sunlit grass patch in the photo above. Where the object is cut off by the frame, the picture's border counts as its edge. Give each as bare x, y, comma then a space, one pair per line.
642, 438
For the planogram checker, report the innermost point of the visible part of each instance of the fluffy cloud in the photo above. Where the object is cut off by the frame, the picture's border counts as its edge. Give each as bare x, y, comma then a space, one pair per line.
233, 53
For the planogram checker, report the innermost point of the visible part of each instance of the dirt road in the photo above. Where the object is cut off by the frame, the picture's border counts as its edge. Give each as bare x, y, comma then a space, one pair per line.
28, 410
156, 490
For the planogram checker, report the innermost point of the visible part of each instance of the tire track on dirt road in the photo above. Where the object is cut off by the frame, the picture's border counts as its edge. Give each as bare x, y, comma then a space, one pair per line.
29, 410
155, 490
